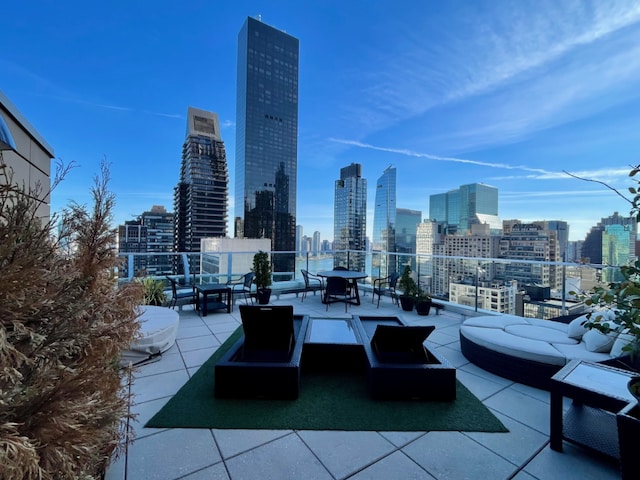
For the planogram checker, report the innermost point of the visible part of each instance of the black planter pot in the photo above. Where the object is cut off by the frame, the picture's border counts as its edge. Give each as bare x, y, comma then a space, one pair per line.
406, 303
424, 307
263, 295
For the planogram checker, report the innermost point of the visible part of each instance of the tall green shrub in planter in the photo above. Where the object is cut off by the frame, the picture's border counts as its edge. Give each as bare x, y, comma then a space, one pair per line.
262, 271
409, 289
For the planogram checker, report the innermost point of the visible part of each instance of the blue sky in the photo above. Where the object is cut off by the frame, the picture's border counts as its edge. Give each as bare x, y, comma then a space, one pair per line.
507, 93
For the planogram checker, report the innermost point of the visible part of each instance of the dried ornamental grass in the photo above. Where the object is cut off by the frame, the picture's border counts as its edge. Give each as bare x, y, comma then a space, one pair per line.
63, 325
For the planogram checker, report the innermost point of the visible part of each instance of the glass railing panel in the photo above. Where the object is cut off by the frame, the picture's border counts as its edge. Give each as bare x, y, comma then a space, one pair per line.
490, 284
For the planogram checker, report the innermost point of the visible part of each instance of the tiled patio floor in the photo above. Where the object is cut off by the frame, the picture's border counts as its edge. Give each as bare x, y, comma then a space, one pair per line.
199, 454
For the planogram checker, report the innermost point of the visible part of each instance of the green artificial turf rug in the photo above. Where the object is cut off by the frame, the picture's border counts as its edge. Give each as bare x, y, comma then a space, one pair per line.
327, 401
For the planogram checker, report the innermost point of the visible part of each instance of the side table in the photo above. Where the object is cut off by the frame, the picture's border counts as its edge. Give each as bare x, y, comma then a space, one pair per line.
214, 289
598, 391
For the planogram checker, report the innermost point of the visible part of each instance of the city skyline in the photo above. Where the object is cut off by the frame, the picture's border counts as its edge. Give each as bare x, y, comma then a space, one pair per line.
510, 95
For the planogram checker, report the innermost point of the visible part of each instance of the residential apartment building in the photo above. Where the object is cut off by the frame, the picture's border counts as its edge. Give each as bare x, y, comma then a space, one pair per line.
531, 242
494, 296
152, 234
479, 244
201, 195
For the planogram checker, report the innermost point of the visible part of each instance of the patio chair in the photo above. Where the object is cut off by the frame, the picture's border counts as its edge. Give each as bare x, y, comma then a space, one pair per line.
337, 290
312, 283
181, 296
386, 285
242, 286
349, 285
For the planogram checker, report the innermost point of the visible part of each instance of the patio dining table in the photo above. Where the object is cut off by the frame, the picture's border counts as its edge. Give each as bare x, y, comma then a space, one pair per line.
350, 276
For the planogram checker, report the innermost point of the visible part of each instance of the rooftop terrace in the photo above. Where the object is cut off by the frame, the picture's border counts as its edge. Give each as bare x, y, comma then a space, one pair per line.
195, 454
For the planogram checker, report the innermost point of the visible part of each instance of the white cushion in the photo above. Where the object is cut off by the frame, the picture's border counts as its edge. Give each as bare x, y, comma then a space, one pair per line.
596, 341
496, 321
543, 333
579, 352
576, 327
622, 341
561, 327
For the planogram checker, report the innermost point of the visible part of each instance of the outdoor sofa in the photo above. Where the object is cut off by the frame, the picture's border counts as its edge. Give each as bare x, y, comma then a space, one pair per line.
530, 350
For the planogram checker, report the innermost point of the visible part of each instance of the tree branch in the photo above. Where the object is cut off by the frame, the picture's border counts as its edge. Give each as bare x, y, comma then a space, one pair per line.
601, 183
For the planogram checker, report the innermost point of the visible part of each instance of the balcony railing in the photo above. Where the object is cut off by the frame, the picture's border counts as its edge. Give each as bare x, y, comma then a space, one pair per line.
492, 284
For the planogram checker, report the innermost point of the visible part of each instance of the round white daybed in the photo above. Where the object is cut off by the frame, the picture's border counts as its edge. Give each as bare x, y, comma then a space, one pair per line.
158, 329
530, 350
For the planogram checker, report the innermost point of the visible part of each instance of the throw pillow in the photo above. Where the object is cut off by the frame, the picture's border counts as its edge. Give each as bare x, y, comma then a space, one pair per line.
576, 327
596, 341
622, 341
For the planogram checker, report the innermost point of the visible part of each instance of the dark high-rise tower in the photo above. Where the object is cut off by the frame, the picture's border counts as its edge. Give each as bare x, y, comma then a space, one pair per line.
267, 139
350, 217
201, 196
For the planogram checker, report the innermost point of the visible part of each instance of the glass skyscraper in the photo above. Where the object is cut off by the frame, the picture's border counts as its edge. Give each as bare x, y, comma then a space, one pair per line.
618, 248
407, 222
384, 222
459, 207
267, 139
350, 217
201, 195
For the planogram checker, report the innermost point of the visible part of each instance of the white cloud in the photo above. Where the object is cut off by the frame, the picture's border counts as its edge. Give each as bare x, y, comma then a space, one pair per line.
519, 55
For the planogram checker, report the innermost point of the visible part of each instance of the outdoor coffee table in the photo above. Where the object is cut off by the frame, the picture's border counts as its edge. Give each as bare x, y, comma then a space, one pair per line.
598, 391
221, 291
333, 344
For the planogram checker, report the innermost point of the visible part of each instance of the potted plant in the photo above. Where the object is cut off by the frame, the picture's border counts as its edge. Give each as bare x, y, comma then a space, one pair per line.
423, 302
409, 289
262, 271
154, 293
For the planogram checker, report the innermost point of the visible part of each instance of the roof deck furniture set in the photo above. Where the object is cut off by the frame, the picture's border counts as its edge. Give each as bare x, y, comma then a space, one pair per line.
277, 346
531, 350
